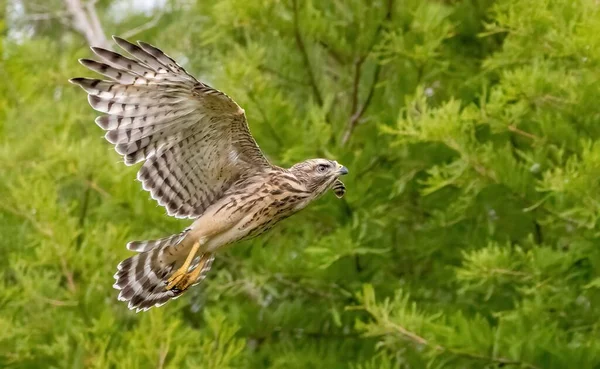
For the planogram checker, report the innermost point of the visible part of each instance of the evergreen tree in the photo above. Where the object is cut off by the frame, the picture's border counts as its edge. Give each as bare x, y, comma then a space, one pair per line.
468, 237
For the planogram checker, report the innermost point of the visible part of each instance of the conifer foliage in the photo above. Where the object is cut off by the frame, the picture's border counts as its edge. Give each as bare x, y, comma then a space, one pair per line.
468, 237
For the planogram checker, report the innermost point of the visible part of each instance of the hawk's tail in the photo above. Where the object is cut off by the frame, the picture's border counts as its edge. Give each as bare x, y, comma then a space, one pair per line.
142, 278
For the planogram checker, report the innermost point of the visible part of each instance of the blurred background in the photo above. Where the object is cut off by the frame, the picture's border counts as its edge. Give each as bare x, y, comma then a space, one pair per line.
468, 237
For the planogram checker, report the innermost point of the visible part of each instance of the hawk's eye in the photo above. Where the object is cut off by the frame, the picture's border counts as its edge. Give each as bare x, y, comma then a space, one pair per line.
322, 168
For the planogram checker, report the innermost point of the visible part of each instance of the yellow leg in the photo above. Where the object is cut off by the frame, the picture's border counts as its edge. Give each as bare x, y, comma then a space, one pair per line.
181, 278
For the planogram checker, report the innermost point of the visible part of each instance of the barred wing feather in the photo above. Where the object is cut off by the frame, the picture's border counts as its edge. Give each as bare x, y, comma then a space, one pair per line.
194, 140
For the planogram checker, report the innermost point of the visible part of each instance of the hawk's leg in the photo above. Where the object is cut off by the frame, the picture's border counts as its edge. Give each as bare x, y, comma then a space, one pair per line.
182, 279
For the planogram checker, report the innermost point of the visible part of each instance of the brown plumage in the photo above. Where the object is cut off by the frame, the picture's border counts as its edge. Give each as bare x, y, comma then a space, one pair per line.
199, 161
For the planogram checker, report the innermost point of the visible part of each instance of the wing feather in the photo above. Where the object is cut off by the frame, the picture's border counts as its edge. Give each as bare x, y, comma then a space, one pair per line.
193, 140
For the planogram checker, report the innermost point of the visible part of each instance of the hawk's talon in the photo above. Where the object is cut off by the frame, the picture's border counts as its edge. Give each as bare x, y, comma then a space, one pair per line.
178, 280
182, 282
182, 279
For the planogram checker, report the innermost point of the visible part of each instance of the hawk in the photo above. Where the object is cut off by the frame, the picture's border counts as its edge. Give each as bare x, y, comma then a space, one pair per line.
199, 162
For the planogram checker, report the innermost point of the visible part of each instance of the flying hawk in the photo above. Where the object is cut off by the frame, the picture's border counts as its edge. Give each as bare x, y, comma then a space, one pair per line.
199, 162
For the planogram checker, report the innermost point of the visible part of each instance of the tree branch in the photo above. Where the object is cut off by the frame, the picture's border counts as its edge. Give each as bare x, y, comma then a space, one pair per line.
412, 336
93, 16
355, 86
86, 22
353, 122
282, 76
357, 113
516, 130
305, 58
334, 54
146, 26
43, 16
295, 285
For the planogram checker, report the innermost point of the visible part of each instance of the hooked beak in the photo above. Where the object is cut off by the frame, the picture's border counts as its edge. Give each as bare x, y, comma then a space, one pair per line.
342, 170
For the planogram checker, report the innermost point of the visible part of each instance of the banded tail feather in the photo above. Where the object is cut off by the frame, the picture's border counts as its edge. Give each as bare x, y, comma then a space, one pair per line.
143, 246
142, 278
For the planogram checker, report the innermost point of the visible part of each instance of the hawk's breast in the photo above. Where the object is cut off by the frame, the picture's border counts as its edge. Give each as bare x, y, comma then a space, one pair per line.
253, 206
275, 198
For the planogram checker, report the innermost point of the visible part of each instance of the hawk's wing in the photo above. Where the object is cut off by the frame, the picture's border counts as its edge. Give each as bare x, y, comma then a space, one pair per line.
194, 139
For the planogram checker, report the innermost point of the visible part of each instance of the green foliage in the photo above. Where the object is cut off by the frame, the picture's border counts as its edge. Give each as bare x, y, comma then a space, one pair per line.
468, 237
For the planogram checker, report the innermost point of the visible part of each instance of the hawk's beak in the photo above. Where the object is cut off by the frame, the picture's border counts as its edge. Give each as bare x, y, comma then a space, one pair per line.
342, 170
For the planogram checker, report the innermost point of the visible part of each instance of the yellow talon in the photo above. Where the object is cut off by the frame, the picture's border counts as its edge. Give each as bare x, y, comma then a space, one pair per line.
175, 281
181, 279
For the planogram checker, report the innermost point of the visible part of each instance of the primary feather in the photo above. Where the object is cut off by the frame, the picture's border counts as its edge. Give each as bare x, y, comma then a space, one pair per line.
194, 140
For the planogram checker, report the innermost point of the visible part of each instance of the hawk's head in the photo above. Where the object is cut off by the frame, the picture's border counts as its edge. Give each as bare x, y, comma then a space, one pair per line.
321, 174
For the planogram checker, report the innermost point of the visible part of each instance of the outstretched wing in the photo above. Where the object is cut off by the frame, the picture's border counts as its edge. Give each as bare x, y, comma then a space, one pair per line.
193, 139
